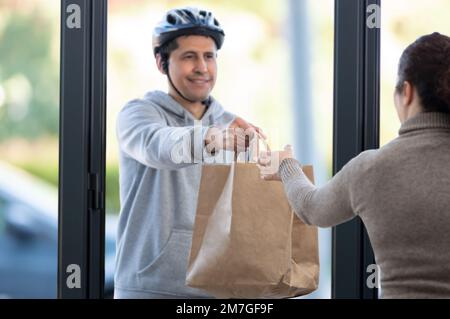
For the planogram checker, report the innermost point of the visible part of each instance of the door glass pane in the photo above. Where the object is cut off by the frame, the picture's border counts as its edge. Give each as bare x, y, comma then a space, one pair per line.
275, 70
310, 40
404, 21
29, 116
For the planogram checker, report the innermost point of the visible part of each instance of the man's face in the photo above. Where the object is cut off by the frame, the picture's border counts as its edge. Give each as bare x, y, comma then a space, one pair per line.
193, 67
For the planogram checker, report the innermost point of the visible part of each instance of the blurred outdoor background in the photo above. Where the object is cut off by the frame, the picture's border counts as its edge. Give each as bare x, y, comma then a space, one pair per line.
275, 70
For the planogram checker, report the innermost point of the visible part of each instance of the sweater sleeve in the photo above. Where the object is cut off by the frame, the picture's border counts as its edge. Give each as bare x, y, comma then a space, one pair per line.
143, 134
324, 206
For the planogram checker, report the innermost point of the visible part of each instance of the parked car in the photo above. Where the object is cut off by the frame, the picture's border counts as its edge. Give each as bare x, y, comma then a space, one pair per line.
29, 237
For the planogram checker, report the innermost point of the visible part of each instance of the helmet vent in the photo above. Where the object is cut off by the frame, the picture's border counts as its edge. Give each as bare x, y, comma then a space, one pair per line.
189, 13
171, 19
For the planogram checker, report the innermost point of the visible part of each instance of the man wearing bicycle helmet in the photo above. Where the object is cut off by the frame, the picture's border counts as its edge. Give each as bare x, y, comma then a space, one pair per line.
158, 187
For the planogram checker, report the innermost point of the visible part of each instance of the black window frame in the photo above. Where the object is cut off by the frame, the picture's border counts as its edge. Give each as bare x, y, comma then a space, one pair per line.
356, 121
82, 148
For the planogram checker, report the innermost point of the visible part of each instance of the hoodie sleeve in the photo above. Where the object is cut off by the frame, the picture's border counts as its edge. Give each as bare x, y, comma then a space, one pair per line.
144, 135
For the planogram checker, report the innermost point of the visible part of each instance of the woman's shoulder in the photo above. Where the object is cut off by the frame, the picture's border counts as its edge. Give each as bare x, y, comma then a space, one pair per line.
374, 162
373, 156
365, 158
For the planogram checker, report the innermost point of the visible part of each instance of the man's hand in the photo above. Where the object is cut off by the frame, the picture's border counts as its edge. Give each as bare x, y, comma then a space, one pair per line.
243, 124
236, 137
269, 163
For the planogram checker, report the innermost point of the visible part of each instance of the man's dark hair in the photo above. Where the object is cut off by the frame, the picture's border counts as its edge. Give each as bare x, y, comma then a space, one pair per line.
165, 52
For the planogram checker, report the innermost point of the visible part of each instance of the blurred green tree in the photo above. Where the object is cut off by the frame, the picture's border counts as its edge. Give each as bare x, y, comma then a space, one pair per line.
29, 75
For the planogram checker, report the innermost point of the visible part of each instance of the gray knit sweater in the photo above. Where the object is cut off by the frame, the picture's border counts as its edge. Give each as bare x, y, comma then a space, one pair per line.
402, 194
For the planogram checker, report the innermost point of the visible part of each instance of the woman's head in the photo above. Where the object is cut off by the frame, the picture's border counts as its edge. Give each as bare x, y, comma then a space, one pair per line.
424, 76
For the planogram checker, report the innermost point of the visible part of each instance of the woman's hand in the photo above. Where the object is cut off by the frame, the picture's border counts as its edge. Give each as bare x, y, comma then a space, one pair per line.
269, 163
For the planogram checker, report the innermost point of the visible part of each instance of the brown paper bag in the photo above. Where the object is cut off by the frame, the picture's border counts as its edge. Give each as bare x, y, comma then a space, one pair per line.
247, 241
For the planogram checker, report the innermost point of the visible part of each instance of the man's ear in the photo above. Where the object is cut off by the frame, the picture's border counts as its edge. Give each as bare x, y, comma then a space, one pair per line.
159, 64
408, 93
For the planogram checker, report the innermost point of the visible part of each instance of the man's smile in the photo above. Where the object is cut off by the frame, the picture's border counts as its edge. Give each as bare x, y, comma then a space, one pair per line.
200, 82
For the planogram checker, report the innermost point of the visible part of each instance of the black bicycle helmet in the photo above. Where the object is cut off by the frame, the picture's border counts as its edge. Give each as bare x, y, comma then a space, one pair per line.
187, 21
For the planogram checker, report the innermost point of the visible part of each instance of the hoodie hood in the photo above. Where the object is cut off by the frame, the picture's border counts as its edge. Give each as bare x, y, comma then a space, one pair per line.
171, 106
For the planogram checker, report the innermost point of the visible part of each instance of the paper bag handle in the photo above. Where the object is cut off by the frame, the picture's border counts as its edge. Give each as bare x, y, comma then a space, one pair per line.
252, 153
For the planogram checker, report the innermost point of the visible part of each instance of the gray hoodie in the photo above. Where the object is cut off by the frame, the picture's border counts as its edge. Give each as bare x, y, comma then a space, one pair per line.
161, 151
